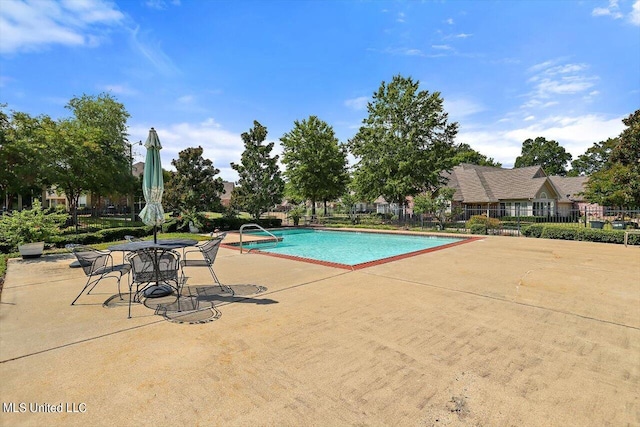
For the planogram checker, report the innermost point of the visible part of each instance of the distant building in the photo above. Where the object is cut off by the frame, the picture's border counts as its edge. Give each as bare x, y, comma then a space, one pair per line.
225, 197
137, 169
524, 191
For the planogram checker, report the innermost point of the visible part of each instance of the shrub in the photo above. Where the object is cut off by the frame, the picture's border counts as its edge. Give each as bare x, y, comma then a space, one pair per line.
489, 223
478, 229
30, 225
560, 233
582, 234
106, 235
170, 226
533, 230
603, 236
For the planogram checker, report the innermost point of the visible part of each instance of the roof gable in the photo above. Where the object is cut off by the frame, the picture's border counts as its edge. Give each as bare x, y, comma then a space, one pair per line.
570, 187
485, 184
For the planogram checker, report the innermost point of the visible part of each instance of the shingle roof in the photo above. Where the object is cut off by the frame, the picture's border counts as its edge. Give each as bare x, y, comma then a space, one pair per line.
485, 184
570, 187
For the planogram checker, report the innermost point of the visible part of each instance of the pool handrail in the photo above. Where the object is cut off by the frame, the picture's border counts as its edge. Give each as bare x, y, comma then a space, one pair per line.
276, 240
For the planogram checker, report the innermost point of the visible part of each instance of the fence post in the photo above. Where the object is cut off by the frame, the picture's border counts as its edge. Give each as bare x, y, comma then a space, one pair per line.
585, 217
518, 218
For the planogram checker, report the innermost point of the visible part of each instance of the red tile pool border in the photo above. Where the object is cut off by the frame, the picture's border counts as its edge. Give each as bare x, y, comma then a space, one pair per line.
360, 266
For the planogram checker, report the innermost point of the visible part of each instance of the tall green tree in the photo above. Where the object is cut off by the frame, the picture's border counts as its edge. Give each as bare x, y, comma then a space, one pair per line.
74, 158
106, 119
404, 143
549, 154
316, 162
618, 184
594, 159
466, 154
194, 186
22, 154
260, 185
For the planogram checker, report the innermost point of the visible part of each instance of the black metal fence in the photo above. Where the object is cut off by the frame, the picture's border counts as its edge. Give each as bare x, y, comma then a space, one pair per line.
499, 220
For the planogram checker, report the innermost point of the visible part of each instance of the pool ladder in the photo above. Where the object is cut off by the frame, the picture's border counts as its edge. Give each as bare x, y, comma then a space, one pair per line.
253, 225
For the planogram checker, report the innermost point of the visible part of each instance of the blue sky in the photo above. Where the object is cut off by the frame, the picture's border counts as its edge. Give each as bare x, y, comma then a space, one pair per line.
201, 71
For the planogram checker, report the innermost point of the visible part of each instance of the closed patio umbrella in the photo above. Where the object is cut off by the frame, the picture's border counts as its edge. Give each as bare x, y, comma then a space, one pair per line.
153, 187
153, 184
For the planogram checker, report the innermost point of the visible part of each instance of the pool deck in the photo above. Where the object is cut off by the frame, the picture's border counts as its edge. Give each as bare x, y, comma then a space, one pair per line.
499, 331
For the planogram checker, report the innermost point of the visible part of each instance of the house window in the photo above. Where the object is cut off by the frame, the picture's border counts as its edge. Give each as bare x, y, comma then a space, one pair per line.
503, 210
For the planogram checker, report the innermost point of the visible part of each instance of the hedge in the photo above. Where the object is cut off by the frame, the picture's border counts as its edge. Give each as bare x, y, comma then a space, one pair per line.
478, 229
106, 235
581, 234
532, 230
226, 224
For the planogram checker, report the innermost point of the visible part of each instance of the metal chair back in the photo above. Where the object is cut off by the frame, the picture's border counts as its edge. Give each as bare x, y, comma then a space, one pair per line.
97, 265
154, 265
210, 249
93, 262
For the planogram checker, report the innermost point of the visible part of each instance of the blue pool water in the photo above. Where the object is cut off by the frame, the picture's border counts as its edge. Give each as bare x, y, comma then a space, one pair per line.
350, 248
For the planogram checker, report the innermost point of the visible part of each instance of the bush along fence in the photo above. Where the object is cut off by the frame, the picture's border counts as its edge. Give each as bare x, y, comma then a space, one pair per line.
581, 234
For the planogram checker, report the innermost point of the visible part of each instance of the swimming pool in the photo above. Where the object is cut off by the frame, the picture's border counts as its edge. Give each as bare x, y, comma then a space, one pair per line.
351, 250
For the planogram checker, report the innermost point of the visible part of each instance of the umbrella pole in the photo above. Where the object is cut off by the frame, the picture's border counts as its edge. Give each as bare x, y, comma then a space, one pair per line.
155, 234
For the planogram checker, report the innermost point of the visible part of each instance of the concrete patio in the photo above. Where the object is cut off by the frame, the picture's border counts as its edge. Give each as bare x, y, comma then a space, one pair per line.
500, 331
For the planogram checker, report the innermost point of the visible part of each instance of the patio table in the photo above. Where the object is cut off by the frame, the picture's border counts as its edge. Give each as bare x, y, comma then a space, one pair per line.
162, 243
156, 290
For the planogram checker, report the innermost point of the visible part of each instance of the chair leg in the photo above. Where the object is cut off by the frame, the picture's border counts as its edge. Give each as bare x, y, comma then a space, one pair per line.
131, 296
89, 282
215, 279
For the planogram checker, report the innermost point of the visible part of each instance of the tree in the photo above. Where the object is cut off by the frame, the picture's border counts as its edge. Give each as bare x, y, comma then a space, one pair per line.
91, 145
466, 154
316, 162
618, 184
435, 204
594, 159
106, 119
22, 153
548, 154
260, 185
73, 153
404, 144
194, 186
348, 202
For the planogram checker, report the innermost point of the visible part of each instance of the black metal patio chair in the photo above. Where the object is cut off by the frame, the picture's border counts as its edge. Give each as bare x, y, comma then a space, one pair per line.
208, 250
97, 265
153, 267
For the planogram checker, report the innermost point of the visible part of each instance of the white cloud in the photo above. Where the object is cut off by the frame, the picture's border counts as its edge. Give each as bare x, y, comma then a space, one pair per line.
152, 52
120, 89
219, 145
529, 118
32, 25
612, 10
634, 16
186, 99
459, 108
400, 17
160, 4
564, 86
449, 21
463, 35
441, 47
357, 104
553, 79
575, 134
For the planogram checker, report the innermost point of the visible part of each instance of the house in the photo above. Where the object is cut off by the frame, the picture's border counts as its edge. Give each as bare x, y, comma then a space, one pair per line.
225, 196
524, 191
